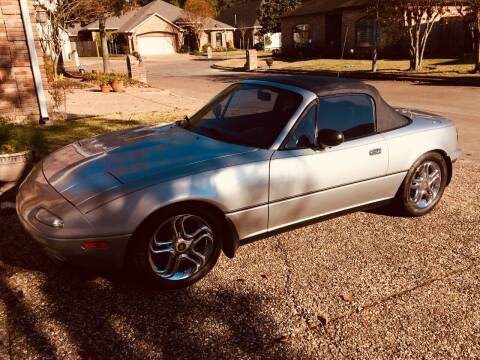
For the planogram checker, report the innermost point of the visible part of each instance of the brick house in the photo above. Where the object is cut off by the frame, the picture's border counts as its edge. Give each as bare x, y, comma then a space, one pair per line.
22, 74
326, 26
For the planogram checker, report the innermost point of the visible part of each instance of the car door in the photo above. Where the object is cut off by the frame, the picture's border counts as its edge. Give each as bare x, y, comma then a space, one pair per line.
307, 182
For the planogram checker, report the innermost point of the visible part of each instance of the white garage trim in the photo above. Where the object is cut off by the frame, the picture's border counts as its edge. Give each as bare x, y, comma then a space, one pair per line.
159, 16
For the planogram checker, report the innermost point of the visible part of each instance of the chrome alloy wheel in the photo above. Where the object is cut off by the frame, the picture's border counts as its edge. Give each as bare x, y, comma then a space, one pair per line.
180, 247
426, 184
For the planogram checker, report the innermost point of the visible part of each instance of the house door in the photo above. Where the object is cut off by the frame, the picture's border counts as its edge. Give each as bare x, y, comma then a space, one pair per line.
333, 34
218, 38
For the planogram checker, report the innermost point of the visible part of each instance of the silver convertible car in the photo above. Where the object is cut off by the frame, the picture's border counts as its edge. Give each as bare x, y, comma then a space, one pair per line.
262, 156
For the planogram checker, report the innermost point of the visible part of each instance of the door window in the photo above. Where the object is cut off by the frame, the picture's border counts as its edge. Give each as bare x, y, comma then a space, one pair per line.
353, 115
305, 130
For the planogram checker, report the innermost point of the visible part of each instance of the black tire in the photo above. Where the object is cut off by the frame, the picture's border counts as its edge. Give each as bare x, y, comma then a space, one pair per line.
141, 258
404, 201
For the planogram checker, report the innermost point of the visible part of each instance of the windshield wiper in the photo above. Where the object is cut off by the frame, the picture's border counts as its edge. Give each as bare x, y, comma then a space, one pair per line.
212, 132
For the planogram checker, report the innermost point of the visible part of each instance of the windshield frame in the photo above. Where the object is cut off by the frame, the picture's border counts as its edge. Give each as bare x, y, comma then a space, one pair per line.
306, 98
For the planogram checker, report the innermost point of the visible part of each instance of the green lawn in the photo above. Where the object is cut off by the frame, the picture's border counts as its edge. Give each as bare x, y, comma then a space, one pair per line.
238, 54
446, 68
42, 140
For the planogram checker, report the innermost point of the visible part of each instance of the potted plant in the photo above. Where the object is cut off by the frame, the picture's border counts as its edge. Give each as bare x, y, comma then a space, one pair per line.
269, 62
104, 83
15, 153
117, 84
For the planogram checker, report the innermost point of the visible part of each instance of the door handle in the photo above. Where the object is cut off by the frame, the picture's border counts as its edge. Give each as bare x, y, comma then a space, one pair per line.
374, 152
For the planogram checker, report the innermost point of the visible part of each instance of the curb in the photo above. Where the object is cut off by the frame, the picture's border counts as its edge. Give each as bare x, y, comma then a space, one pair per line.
363, 76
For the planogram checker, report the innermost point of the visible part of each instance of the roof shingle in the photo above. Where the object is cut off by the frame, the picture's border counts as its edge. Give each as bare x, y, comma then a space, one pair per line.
131, 19
322, 6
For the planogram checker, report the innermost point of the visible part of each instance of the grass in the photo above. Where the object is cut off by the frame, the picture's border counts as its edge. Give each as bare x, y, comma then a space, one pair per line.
238, 54
42, 140
444, 68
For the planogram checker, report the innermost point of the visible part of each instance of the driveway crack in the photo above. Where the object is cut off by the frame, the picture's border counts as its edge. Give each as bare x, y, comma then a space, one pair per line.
306, 324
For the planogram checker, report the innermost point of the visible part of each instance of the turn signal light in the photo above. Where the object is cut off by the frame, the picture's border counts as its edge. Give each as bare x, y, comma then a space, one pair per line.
89, 245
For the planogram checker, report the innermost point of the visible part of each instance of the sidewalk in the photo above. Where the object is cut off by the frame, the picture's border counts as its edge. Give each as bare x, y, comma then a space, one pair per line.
91, 102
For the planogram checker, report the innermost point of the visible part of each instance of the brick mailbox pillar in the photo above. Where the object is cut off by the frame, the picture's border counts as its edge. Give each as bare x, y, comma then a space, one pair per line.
18, 94
251, 64
136, 69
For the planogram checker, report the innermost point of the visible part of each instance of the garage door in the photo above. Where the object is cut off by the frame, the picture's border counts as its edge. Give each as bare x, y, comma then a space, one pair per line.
156, 45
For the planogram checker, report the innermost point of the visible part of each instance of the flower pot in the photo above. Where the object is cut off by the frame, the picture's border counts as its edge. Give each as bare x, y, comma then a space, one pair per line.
105, 88
118, 86
12, 166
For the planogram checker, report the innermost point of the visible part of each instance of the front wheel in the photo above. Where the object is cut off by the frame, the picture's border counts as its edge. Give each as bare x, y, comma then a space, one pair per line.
178, 247
424, 185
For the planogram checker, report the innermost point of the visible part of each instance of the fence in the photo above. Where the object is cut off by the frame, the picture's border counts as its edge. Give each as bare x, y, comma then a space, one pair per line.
86, 48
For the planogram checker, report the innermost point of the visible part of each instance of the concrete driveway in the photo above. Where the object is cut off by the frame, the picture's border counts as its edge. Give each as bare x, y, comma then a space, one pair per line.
368, 285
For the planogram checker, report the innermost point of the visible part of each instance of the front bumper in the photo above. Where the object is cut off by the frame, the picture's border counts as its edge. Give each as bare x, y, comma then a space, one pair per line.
65, 244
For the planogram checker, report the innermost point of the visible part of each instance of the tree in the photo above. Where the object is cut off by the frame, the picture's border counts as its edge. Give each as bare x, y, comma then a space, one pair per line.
101, 11
269, 14
61, 14
470, 9
418, 17
197, 14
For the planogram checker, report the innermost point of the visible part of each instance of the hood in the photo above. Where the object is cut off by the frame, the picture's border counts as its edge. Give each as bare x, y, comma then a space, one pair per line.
93, 166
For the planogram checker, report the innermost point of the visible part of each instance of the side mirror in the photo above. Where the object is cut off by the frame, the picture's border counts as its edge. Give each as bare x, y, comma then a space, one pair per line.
329, 137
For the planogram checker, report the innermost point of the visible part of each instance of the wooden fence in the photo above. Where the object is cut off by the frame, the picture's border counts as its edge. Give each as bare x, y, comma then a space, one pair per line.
86, 48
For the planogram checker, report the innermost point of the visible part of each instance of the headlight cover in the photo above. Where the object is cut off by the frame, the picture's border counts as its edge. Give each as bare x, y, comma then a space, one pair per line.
48, 218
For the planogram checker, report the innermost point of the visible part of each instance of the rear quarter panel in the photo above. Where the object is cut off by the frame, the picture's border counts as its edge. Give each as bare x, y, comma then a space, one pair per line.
407, 144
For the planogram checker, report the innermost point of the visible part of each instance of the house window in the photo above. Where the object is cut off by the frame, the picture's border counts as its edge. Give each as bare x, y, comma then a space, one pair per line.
218, 37
301, 35
366, 32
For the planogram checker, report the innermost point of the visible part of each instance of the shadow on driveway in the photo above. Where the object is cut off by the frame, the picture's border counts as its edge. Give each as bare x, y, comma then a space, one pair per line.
114, 316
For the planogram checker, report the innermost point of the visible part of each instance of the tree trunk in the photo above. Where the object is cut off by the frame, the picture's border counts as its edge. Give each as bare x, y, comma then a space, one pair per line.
414, 57
415, 61
103, 40
476, 55
55, 66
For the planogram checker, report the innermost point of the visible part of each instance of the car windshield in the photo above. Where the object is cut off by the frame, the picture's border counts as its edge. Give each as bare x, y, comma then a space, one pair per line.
246, 114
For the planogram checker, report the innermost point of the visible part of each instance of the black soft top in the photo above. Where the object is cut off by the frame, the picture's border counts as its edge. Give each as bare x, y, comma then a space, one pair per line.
387, 117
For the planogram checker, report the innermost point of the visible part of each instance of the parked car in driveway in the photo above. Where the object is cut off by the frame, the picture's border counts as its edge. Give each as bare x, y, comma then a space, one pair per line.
262, 156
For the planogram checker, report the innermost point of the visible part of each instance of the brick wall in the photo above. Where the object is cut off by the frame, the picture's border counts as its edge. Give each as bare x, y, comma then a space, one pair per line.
350, 18
317, 29
18, 100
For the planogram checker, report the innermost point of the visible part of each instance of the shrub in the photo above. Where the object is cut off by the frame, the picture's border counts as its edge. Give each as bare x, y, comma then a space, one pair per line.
259, 46
184, 50
205, 47
267, 40
230, 45
17, 138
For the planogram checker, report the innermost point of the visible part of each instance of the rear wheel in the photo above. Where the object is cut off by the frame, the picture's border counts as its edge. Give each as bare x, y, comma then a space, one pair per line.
178, 247
424, 185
